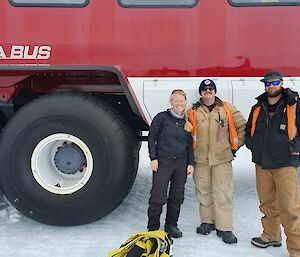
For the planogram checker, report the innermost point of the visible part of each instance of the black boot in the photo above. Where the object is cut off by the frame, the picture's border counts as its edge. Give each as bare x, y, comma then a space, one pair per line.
227, 236
173, 231
205, 228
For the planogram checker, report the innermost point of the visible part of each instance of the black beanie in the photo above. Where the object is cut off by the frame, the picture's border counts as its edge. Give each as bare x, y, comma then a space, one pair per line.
207, 83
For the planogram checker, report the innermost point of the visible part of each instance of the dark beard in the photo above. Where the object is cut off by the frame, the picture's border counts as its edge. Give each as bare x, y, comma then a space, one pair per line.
275, 94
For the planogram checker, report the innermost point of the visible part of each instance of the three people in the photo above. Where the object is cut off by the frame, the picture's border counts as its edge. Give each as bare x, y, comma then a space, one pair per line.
272, 135
218, 129
171, 154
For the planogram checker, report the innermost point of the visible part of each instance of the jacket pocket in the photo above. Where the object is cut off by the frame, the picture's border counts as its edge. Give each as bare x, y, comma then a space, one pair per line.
280, 145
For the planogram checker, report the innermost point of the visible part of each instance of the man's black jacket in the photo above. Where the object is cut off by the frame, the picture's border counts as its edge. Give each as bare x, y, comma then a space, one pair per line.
270, 145
168, 139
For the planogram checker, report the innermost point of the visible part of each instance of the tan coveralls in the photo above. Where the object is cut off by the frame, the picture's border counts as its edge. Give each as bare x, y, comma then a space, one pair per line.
213, 171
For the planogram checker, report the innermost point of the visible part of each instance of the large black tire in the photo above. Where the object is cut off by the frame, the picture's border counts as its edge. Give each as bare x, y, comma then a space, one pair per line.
110, 141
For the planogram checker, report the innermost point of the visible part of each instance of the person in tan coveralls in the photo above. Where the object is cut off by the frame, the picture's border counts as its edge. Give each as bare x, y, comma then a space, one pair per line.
272, 135
215, 122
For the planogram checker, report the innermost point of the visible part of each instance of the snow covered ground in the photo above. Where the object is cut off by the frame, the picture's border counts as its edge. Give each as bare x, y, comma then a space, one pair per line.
22, 237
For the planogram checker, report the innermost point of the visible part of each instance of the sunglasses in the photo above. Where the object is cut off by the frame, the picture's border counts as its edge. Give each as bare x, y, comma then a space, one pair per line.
209, 88
274, 83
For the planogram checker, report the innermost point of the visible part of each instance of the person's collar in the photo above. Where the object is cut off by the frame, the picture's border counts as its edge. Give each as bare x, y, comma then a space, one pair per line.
219, 102
291, 96
175, 115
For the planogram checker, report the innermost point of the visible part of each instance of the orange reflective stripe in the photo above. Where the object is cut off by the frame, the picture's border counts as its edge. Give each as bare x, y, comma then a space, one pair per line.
254, 119
233, 136
194, 130
291, 118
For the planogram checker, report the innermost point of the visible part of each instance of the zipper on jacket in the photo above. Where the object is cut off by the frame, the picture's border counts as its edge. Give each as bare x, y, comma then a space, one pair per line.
277, 108
177, 122
266, 113
209, 143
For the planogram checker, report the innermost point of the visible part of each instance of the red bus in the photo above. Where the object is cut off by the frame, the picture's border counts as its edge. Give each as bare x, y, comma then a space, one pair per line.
81, 79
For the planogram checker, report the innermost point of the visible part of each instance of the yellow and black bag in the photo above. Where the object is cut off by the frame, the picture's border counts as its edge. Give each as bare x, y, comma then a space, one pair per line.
145, 244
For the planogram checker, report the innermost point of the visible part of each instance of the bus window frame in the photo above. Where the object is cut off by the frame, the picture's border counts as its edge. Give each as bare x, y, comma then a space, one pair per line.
262, 4
196, 2
86, 3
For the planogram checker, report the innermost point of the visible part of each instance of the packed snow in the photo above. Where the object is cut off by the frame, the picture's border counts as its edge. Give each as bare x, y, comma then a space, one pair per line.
22, 237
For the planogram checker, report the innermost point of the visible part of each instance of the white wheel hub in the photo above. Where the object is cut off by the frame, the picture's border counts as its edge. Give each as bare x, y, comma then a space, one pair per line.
62, 163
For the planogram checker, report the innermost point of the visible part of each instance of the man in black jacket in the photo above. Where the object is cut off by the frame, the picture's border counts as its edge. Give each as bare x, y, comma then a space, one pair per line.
273, 136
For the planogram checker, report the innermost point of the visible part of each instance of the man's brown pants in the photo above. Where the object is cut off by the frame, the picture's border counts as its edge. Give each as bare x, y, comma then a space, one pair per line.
280, 203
